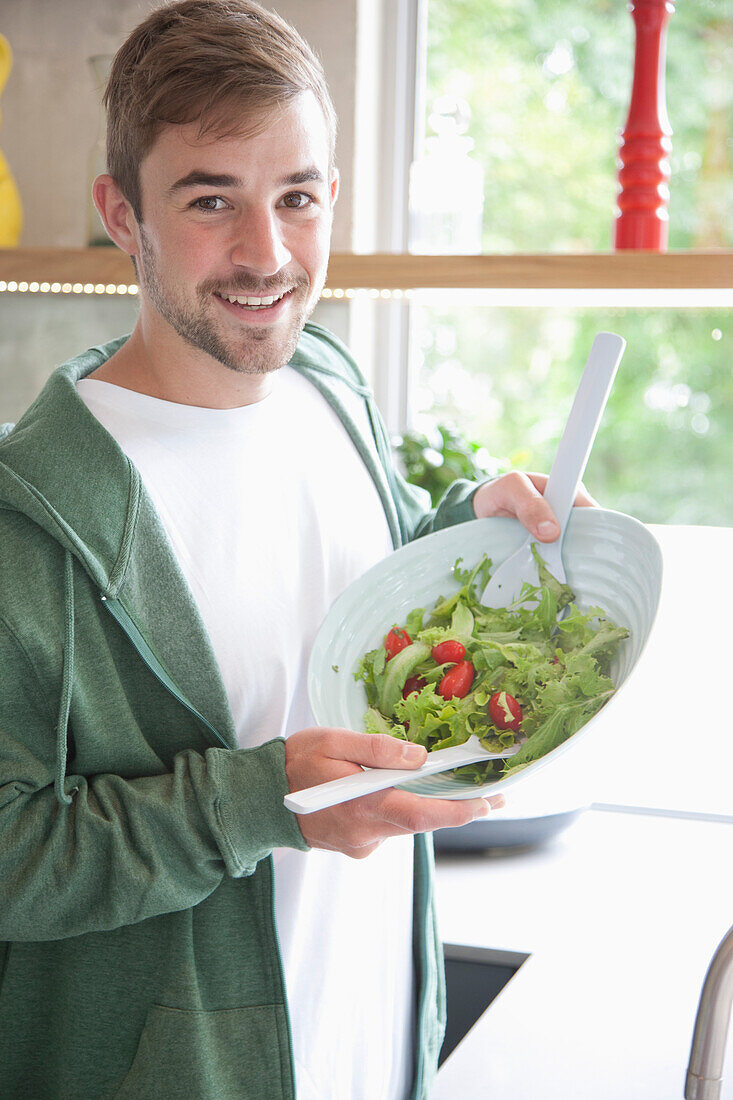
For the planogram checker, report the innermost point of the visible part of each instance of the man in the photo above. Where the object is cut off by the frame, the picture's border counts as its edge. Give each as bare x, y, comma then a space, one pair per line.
178, 510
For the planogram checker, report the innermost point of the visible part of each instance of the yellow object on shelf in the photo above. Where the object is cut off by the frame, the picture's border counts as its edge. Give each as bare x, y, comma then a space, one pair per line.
11, 211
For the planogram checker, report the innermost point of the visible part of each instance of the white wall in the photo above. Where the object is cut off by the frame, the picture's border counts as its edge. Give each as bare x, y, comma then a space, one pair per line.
50, 110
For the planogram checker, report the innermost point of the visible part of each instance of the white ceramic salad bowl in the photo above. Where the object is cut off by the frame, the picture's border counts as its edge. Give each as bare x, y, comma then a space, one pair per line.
611, 560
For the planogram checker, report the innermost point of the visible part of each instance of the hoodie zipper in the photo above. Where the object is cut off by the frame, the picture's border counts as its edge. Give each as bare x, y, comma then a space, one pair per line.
118, 613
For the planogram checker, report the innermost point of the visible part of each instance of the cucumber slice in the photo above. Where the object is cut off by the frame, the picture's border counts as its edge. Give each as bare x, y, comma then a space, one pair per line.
397, 671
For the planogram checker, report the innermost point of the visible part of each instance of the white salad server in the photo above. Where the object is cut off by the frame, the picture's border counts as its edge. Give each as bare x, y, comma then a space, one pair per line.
505, 585
378, 779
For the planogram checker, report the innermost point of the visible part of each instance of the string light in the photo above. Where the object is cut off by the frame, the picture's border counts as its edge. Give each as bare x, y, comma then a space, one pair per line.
88, 289
96, 289
619, 297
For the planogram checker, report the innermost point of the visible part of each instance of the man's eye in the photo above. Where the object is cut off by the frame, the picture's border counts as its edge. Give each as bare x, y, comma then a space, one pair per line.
296, 200
207, 199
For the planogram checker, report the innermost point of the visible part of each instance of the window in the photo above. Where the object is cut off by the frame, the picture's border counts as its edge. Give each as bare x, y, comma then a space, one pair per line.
546, 86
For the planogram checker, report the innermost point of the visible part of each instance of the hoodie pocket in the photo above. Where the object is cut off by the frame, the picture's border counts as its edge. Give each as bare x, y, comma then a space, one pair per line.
228, 1054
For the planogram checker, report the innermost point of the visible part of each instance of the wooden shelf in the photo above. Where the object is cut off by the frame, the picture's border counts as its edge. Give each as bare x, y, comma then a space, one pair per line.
66, 265
396, 271
529, 270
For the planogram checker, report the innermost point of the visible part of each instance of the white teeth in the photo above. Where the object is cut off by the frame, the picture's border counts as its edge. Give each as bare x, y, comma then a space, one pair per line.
251, 301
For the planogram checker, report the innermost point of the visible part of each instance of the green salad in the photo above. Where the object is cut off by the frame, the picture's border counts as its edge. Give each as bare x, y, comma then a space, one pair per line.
508, 674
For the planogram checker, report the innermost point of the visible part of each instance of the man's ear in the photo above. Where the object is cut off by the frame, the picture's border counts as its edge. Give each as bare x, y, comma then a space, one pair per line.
335, 181
116, 214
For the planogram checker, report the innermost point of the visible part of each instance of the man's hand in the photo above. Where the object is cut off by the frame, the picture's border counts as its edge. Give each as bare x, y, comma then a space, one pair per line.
356, 828
520, 497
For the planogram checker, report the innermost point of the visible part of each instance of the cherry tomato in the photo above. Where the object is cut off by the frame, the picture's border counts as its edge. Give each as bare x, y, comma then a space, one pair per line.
448, 651
413, 683
396, 641
457, 681
504, 711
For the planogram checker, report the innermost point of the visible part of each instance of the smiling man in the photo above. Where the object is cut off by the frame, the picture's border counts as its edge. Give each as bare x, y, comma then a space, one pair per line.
178, 510
232, 254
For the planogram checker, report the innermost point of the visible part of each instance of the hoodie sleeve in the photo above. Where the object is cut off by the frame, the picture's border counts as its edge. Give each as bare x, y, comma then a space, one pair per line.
122, 849
454, 506
413, 503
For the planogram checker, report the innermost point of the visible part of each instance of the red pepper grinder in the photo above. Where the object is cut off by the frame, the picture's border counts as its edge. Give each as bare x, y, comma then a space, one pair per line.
642, 220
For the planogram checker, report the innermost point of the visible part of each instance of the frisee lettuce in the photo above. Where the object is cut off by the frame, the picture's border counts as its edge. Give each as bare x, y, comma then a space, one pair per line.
558, 670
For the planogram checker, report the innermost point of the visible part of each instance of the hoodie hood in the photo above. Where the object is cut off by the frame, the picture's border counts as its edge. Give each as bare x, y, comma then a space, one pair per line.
65, 472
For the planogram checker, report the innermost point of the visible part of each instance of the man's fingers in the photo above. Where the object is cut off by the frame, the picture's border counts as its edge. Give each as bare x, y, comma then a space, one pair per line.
360, 826
415, 814
520, 496
583, 499
373, 750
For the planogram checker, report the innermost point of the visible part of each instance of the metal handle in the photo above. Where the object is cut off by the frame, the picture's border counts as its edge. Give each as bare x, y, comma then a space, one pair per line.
705, 1069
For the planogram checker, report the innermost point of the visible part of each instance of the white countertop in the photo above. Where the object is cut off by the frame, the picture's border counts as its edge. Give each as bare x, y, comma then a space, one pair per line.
622, 913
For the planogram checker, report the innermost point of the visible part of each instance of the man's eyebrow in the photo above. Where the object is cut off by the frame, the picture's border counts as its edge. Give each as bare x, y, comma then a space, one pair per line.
199, 177
308, 175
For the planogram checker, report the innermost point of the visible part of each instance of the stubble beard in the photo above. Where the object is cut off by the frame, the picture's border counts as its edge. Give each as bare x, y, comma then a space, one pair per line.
259, 349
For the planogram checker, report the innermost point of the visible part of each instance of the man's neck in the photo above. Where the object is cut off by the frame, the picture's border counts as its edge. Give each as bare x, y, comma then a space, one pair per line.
203, 383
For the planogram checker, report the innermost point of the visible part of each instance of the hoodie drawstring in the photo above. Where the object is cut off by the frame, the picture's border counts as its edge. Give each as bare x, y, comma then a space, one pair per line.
67, 683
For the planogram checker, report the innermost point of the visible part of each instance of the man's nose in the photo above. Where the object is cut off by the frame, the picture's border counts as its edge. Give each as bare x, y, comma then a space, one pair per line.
259, 243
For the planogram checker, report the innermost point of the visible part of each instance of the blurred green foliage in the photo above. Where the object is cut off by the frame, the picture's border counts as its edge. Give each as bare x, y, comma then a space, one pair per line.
435, 462
507, 378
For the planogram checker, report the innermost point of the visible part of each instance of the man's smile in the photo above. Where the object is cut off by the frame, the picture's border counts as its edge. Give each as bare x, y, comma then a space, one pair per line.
267, 308
252, 300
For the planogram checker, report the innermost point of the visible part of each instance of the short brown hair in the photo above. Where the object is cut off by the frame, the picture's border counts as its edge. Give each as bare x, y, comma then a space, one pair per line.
205, 61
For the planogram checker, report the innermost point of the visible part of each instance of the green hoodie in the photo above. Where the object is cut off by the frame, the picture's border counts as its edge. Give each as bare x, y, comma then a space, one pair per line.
139, 955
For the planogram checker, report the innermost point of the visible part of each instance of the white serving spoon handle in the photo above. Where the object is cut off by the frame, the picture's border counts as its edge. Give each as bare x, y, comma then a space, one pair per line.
567, 470
582, 425
378, 779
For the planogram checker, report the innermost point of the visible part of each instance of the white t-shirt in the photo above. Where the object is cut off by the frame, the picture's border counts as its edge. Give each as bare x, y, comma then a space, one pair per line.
271, 513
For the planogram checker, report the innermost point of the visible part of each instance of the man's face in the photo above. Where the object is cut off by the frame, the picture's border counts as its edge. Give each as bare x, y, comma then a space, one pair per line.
246, 217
